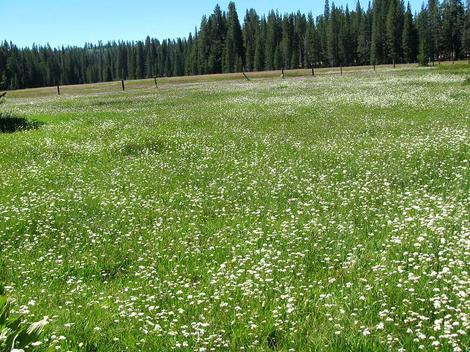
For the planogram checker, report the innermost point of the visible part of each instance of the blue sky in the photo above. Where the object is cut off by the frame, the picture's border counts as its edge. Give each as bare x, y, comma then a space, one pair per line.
74, 22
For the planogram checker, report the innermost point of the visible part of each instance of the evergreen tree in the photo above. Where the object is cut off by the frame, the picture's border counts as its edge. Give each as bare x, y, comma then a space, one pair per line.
465, 33
192, 65
452, 27
422, 29
260, 49
394, 30
432, 34
364, 38
355, 27
216, 32
233, 55
123, 70
250, 32
326, 12
378, 53
298, 41
286, 42
322, 30
333, 37
346, 41
204, 45
312, 44
409, 37
272, 41
140, 61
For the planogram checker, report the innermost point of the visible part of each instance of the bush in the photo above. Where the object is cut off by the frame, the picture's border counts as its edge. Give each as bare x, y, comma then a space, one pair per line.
14, 334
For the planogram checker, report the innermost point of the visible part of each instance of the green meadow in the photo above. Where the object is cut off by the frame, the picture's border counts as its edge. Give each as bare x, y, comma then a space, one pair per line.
311, 213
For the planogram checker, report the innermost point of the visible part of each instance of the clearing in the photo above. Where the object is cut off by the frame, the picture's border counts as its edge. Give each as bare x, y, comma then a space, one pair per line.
326, 213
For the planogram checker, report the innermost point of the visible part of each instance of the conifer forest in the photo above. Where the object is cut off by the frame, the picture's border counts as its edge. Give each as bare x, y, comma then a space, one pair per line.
387, 31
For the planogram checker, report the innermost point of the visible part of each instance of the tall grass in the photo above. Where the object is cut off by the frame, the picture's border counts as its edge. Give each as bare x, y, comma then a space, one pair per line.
326, 213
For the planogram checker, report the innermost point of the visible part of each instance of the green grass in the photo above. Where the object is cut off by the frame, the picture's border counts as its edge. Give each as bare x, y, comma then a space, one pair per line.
326, 213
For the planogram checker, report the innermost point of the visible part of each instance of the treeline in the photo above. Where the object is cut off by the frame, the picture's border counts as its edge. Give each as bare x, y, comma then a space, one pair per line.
386, 32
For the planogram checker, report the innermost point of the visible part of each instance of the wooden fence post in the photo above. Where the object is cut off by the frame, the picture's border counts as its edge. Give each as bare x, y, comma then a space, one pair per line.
313, 70
58, 90
282, 73
122, 85
341, 69
156, 84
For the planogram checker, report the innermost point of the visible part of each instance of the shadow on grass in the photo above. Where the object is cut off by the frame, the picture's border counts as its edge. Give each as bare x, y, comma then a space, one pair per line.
11, 124
136, 148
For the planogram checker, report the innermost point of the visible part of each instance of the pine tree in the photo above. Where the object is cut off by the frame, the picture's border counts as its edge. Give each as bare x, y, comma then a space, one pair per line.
422, 23
272, 41
204, 44
452, 26
139, 61
250, 31
432, 33
193, 57
322, 30
312, 44
378, 53
466, 33
355, 27
217, 31
286, 42
409, 37
364, 38
123, 68
259, 59
298, 41
394, 30
346, 49
326, 12
233, 55
333, 37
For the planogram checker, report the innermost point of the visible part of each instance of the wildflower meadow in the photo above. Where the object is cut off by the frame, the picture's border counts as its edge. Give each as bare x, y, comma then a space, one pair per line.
311, 213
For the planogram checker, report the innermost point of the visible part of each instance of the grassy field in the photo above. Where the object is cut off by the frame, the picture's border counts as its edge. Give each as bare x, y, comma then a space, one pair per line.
326, 213
170, 82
